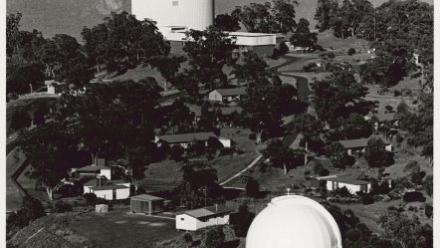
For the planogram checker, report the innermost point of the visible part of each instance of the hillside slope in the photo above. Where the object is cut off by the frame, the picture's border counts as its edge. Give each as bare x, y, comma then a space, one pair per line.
69, 16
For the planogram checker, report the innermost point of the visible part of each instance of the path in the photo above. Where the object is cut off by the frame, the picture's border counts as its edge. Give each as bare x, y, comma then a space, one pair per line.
252, 164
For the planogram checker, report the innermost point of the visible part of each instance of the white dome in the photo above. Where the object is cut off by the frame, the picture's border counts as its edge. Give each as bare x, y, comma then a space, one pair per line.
294, 221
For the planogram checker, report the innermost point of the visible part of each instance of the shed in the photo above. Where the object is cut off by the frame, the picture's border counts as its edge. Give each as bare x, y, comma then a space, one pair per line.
145, 203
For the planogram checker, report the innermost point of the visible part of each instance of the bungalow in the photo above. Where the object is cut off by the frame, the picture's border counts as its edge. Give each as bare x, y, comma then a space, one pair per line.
196, 219
186, 139
93, 170
227, 95
54, 87
359, 145
109, 190
353, 185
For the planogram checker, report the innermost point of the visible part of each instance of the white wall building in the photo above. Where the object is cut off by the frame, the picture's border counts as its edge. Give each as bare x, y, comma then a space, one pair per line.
193, 14
196, 219
227, 95
353, 185
110, 192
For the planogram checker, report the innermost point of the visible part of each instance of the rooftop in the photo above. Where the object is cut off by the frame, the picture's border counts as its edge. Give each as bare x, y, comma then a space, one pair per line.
354, 143
91, 168
108, 187
206, 212
232, 91
247, 34
187, 137
146, 197
348, 180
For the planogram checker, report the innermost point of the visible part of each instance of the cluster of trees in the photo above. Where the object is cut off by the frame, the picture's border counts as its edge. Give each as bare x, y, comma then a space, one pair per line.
85, 124
199, 186
399, 229
277, 16
121, 42
30, 210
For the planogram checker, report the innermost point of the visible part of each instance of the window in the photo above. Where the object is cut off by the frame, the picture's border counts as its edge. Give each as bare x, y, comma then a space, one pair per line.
182, 218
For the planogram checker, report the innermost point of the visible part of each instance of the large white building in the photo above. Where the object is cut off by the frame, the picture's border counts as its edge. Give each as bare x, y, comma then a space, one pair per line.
175, 17
192, 14
294, 221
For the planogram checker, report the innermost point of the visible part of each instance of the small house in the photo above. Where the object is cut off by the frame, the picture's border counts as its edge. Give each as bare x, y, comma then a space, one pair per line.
107, 189
97, 169
186, 139
352, 184
359, 145
228, 95
196, 219
111, 192
145, 203
54, 87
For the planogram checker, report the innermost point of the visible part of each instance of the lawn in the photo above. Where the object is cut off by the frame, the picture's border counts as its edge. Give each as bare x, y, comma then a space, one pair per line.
228, 165
121, 229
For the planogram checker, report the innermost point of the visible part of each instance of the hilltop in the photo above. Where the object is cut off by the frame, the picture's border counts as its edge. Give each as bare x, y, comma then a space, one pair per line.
69, 17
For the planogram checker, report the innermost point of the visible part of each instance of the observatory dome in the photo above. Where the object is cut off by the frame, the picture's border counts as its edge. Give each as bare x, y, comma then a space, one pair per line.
294, 221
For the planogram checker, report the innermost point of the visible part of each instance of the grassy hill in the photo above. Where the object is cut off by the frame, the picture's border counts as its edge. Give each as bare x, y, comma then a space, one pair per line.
69, 16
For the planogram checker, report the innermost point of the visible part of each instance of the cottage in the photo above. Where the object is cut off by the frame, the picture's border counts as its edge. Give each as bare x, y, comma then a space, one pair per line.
196, 219
353, 185
106, 189
92, 171
186, 139
54, 87
111, 192
359, 145
145, 203
226, 95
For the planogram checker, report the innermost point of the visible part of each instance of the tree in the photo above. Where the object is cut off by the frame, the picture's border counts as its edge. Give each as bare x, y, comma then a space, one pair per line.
281, 156
252, 187
326, 11
405, 231
376, 155
225, 22
338, 155
30, 210
302, 37
12, 32
123, 42
214, 238
338, 96
208, 52
275, 17
242, 221
354, 127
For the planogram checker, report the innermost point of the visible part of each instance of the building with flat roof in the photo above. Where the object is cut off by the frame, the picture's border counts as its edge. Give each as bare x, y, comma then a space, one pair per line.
352, 183
145, 203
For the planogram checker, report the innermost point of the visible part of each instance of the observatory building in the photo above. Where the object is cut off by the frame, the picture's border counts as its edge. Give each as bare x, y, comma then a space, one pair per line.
294, 221
175, 17
192, 14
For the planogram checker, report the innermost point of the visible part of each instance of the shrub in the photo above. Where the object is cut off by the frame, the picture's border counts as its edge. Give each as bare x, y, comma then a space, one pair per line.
310, 67
412, 167
90, 198
428, 210
176, 152
319, 169
61, 207
252, 187
414, 197
417, 177
367, 199
343, 192
351, 51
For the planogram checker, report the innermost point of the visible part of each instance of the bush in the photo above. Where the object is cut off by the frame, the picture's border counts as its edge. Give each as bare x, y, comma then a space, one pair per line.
417, 177
412, 167
428, 210
343, 192
252, 187
176, 152
367, 199
90, 198
61, 207
310, 67
319, 169
414, 197
351, 51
